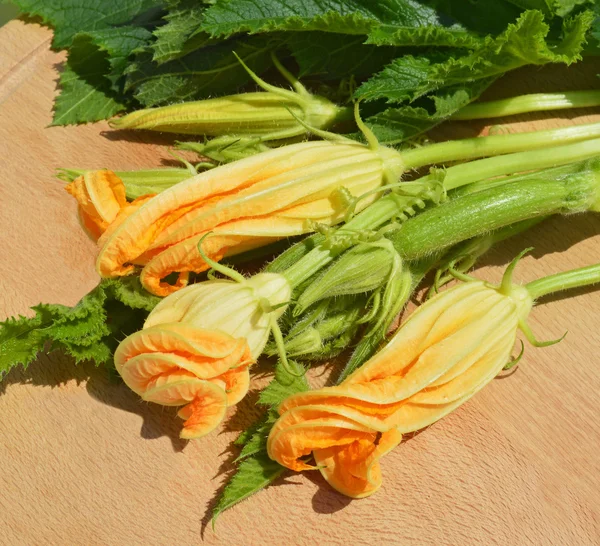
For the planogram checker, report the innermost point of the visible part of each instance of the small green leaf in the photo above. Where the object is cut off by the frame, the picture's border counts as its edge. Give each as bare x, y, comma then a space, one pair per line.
284, 384
129, 291
252, 475
257, 442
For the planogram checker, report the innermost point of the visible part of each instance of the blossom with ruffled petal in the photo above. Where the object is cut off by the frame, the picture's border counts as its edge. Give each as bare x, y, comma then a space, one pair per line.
102, 201
245, 204
449, 349
197, 345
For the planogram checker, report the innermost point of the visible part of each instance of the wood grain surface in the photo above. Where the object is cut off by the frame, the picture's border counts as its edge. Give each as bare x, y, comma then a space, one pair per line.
84, 461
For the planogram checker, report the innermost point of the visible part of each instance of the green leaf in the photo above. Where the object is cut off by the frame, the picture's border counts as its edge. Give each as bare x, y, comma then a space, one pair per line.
524, 42
562, 8
92, 79
426, 36
256, 470
182, 32
91, 329
20, 341
336, 56
70, 17
130, 292
342, 16
85, 92
118, 44
287, 381
212, 70
394, 125
252, 475
246, 435
257, 441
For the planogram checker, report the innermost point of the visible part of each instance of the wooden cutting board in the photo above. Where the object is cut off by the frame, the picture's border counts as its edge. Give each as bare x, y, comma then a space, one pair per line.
84, 461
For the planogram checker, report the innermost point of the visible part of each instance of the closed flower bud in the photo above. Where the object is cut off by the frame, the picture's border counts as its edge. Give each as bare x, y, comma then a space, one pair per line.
449, 349
273, 114
197, 345
261, 114
241, 309
360, 269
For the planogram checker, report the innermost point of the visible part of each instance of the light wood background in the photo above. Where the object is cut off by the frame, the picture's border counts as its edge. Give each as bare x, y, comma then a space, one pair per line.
84, 461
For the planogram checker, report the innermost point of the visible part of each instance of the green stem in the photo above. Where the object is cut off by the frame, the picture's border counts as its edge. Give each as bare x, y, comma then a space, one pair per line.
473, 171
574, 278
529, 103
472, 148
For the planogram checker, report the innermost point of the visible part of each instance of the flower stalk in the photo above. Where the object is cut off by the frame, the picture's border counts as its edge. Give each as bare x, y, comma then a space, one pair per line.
567, 280
472, 148
572, 188
535, 102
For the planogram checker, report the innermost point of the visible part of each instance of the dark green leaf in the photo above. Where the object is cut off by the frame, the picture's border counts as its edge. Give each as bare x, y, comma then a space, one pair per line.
86, 93
337, 56
212, 70
256, 470
89, 330
455, 23
70, 17
118, 44
93, 76
562, 8
182, 33
394, 125
130, 292
257, 441
341, 16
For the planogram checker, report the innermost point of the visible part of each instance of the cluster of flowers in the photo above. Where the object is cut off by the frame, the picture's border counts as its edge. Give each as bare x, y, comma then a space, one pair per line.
198, 344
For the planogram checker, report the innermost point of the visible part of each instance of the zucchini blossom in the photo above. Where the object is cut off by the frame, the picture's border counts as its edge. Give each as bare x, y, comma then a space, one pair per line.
197, 345
448, 350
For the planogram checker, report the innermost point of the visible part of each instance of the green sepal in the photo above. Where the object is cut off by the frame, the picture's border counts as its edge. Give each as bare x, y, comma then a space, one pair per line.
329, 332
226, 148
361, 269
